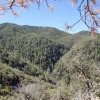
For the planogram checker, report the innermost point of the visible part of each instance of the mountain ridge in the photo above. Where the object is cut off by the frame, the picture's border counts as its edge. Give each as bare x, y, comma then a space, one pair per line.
38, 62
13, 24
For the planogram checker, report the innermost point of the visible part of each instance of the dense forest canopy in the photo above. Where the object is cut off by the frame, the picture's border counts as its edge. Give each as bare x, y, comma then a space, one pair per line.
48, 64
44, 63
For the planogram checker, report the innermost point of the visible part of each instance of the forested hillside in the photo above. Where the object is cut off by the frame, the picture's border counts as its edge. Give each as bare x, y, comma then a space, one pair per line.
44, 63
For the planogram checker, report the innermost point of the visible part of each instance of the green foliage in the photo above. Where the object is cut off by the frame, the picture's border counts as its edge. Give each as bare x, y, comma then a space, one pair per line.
52, 61
35, 44
5, 91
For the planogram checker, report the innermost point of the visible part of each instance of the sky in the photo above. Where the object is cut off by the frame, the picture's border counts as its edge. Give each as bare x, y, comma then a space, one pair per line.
63, 13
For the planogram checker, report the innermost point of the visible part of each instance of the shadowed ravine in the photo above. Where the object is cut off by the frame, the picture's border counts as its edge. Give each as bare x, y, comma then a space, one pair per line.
44, 63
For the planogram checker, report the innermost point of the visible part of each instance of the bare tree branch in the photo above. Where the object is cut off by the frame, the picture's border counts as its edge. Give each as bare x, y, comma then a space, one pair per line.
88, 11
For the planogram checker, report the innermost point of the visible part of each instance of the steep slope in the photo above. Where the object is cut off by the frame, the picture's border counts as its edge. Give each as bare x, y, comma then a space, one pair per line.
46, 63
81, 65
12, 79
36, 44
